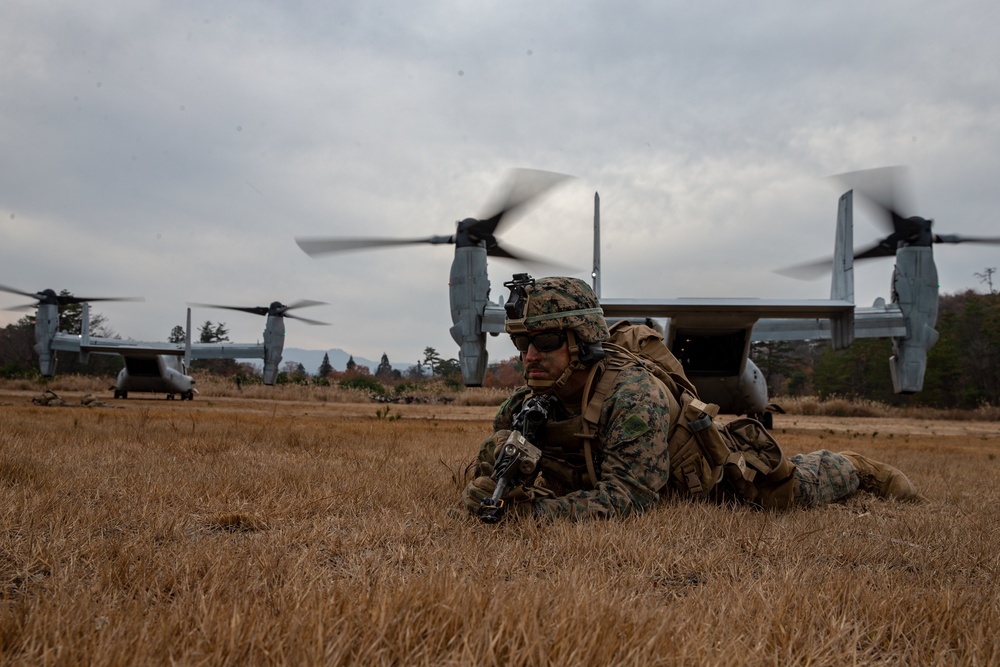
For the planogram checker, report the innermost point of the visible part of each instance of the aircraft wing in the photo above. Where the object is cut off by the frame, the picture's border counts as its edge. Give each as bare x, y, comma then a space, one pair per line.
131, 348
227, 351
711, 316
708, 312
68, 343
879, 321
751, 308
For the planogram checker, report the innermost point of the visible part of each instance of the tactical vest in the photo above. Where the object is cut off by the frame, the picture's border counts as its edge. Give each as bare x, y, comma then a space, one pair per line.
702, 454
564, 465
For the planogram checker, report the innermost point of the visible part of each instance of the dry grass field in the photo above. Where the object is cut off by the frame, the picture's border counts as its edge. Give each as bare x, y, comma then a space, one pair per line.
281, 529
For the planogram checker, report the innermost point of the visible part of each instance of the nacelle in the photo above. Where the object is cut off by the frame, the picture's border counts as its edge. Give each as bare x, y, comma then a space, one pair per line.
915, 289
274, 345
46, 326
468, 291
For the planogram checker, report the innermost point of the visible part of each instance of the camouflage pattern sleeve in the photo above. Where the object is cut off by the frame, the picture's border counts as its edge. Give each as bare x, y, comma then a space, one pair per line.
501, 425
636, 465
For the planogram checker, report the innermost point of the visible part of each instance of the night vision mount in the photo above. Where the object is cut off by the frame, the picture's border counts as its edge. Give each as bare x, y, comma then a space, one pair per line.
514, 308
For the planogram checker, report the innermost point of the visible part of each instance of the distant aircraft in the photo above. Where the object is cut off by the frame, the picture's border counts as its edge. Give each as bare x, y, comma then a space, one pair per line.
153, 367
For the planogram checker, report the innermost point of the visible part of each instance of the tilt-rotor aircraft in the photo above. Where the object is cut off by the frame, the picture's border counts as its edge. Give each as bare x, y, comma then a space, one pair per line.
152, 367
712, 336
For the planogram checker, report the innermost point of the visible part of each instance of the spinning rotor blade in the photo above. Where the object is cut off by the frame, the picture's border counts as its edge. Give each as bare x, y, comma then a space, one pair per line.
809, 270
11, 290
49, 296
306, 320
314, 246
887, 190
276, 308
304, 303
254, 310
65, 300
955, 238
522, 186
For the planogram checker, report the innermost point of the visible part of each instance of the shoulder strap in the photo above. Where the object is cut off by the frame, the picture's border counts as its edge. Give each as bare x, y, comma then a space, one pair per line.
590, 409
593, 402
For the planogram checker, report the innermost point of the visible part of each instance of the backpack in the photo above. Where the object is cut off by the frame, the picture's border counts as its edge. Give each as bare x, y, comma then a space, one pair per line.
702, 453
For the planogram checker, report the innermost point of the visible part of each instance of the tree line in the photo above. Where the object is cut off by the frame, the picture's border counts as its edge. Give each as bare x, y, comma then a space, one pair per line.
430, 369
963, 368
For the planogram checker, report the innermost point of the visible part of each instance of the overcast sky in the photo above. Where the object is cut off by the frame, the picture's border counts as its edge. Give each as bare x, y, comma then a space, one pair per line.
174, 150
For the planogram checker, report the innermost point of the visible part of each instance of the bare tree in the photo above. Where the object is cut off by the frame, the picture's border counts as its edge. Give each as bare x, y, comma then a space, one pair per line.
987, 277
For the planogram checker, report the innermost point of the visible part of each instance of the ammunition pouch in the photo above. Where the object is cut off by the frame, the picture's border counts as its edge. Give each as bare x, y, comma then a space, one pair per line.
698, 452
756, 468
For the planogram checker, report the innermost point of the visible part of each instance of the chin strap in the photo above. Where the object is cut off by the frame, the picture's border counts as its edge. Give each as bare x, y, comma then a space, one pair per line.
549, 386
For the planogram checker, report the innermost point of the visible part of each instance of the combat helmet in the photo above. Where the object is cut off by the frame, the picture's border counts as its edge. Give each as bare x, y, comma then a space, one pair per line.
558, 303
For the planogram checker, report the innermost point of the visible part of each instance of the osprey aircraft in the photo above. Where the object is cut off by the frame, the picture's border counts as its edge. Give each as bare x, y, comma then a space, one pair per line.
711, 336
153, 367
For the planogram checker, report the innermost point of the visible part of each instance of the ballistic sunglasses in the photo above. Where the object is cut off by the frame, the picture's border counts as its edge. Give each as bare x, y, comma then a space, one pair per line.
549, 341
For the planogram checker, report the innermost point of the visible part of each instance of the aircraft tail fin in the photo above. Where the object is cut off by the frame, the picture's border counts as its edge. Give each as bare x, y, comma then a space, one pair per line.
595, 273
187, 343
84, 332
842, 282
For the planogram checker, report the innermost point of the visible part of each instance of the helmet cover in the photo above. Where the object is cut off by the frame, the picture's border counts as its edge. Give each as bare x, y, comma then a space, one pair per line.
556, 303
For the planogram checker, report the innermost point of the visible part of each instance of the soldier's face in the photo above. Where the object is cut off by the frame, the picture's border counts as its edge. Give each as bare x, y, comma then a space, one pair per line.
545, 365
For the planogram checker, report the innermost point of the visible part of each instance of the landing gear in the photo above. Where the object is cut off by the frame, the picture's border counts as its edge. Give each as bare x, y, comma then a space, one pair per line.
765, 418
187, 395
121, 394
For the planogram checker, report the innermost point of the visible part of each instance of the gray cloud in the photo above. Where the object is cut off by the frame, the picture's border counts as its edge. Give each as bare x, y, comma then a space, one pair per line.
175, 150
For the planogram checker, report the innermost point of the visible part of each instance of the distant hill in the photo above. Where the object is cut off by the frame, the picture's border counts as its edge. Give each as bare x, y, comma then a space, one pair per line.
311, 359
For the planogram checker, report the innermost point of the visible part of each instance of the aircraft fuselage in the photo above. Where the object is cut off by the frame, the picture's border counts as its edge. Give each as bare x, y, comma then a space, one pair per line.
159, 374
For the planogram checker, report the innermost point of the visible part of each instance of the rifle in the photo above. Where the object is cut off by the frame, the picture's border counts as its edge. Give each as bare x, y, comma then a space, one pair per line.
517, 462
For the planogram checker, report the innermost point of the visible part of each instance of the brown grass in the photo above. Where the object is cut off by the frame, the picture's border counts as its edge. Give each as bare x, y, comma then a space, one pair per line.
248, 531
214, 386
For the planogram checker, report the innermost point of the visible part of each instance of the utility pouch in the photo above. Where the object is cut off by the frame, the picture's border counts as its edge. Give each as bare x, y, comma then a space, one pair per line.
757, 468
697, 450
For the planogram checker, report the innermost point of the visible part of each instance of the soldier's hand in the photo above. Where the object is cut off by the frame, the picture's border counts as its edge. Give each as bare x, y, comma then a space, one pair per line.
477, 491
499, 440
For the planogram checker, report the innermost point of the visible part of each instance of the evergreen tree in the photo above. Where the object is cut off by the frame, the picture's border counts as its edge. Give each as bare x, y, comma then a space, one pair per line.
860, 371
71, 319
963, 368
221, 333
431, 359
205, 332
776, 361
17, 354
384, 369
208, 333
177, 335
351, 365
325, 368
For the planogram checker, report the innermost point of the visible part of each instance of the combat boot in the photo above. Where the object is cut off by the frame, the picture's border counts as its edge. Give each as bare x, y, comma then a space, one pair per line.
882, 479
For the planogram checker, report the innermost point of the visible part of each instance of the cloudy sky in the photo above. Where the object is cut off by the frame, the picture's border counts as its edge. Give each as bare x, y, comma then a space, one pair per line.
174, 150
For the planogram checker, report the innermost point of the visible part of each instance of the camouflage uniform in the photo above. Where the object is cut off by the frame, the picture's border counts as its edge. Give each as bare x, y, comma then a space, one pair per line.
822, 477
634, 467
630, 449
630, 453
